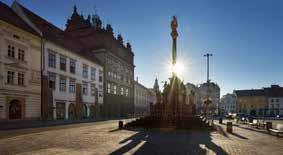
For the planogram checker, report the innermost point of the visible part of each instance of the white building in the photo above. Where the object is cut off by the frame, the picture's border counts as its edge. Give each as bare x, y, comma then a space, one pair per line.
20, 80
212, 91
193, 91
275, 100
68, 67
228, 104
143, 98
275, 106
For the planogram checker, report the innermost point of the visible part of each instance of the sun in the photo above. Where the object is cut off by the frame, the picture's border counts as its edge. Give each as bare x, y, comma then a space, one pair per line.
177, 68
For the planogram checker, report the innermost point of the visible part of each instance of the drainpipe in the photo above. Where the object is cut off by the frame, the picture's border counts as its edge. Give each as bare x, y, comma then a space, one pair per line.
41, 71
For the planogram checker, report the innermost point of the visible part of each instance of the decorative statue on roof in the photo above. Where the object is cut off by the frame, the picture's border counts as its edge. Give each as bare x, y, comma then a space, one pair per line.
129, 46
88, 20
96, 22
75, 10
120, 38
109, 28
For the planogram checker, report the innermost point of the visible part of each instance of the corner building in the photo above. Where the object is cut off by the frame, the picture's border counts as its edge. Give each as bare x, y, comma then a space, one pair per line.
20, 74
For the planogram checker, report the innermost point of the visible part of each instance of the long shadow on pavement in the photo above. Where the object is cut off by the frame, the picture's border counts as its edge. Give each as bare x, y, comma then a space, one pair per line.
222, 132
173, 142
8, 133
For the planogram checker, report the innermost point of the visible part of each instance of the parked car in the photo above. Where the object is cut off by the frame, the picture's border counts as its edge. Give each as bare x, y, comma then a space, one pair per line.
229, 116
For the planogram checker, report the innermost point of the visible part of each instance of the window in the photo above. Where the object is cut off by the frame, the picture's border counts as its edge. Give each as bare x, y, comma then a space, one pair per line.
11, 51
21, 55
108, 88
93, 73
72, 86
277, 100
63, 63
72, 66
100, 91
62, 84
100, 76
16, 36
21, 79
85, 71
114, 75
129, 80
122, 91
115, 89
92, 89
52, 60
10, 77
52, 81
85, 88
271, 100
127, 92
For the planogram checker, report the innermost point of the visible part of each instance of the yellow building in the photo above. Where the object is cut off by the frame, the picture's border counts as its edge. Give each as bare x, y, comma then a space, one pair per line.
20, 68
251, 102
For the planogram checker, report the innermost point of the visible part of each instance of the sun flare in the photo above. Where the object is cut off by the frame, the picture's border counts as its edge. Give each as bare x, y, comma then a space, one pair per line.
177, 68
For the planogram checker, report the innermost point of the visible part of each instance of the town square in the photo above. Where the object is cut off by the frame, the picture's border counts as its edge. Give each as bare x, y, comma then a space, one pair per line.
124, 77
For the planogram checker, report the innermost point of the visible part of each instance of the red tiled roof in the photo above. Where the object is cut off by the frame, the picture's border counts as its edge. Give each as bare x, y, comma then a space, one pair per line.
9, 16
58, 36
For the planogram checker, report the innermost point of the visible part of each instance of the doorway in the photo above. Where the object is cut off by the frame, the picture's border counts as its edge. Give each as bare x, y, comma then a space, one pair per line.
15, 109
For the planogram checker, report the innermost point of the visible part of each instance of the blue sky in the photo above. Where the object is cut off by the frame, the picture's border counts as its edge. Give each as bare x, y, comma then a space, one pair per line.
245, 37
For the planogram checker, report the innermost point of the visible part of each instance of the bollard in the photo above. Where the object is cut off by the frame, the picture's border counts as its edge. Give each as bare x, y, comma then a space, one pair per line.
120, 124
229, 126
220, 120
268, 126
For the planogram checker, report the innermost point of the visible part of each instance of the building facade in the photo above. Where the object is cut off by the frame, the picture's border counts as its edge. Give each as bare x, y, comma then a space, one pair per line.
275, 106
73, 78
192, 94
251, 102
275, 100
117, 59
20, 72
143, 98
228, 104
69, 73
261, 102
212, 91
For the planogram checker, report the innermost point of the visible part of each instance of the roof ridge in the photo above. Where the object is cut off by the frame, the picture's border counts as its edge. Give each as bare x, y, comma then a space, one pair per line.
34, 14
10, 16
58, 36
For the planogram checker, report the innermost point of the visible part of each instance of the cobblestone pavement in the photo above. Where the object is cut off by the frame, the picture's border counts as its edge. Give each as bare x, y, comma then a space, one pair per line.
104, 138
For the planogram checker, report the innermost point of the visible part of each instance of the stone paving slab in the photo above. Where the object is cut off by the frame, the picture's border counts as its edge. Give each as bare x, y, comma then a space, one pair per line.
104, 138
